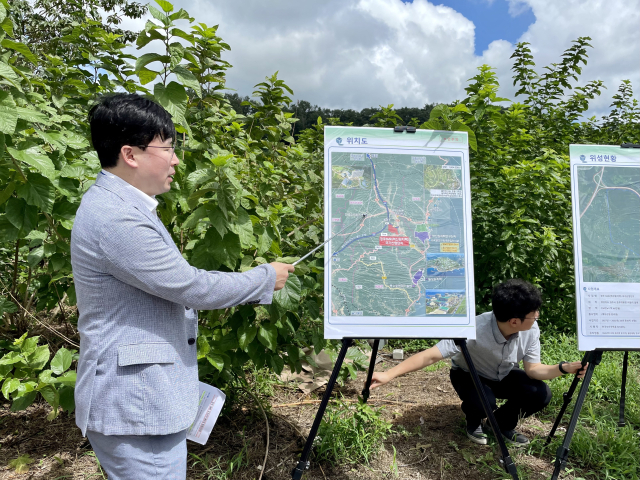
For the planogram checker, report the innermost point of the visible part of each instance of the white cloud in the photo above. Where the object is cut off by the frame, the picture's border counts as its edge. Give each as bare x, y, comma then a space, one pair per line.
361, 53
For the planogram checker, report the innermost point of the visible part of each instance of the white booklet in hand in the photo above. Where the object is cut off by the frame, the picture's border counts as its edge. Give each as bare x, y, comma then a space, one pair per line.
211, 402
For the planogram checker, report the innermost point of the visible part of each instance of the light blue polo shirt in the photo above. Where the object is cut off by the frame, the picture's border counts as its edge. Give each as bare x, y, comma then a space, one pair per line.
494, 356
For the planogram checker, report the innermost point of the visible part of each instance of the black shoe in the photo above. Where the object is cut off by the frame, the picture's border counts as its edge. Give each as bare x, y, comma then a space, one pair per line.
515, 439
477, 435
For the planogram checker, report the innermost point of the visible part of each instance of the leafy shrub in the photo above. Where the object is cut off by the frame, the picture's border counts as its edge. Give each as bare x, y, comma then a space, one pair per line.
351, 433
24, 375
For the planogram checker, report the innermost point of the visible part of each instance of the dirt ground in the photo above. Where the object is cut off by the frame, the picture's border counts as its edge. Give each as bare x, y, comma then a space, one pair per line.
425, 411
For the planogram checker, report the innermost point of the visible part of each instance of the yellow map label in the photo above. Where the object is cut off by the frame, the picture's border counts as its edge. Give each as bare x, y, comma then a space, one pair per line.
450, 247
384, 278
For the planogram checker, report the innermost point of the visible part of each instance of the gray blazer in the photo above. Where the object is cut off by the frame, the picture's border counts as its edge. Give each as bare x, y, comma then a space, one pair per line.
138, 372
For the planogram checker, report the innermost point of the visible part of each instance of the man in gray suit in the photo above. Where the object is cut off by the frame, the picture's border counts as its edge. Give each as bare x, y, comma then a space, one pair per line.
137, 387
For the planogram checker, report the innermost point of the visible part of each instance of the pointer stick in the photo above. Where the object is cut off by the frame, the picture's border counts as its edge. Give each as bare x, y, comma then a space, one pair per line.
358, 220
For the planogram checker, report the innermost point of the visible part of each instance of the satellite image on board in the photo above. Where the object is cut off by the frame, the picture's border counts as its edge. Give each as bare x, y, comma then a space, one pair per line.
406, 257
610, 223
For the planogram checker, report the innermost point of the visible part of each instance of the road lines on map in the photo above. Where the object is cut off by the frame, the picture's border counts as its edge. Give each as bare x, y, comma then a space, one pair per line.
375, 184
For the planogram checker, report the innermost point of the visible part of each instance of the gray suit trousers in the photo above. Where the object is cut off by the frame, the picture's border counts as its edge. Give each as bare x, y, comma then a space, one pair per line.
141, 457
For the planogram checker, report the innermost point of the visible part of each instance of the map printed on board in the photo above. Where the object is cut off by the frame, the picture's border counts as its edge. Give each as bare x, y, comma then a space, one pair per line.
400, 211
606, 204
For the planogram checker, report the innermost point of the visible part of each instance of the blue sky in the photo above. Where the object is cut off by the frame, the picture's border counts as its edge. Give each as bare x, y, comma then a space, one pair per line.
492, 20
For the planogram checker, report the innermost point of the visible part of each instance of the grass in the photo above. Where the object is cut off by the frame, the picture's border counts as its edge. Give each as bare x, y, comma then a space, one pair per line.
350, 433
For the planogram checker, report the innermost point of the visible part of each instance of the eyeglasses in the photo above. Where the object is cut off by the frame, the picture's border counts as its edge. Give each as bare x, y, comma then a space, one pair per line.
169, 150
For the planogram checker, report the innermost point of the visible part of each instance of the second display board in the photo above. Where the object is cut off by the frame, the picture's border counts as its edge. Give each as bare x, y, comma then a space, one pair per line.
401, 264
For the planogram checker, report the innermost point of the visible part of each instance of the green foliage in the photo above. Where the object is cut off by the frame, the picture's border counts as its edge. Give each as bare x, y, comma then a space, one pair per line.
351, 433
23, 376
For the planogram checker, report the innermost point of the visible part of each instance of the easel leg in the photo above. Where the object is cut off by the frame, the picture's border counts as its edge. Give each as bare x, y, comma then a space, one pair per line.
372, 366
563, 450
568, 396
623, 388
506, 460
303, 464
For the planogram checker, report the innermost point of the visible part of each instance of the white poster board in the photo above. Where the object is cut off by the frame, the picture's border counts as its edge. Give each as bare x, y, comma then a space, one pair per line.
405, 270
605, 189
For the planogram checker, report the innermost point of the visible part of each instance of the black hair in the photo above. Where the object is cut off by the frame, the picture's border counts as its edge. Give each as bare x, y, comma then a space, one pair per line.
515, 298
126, 119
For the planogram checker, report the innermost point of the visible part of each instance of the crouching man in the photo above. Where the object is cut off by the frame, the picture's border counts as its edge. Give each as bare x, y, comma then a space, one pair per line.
504, 337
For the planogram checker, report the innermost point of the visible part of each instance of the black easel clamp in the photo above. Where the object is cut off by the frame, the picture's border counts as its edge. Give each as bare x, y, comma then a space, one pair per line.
403, 128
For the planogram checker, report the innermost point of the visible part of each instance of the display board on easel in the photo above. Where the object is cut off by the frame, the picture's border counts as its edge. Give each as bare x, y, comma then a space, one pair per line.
605, 183
401, 262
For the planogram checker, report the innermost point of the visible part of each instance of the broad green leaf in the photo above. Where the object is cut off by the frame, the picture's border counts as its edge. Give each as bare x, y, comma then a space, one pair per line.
23, 216
33, 116
146, 76
38, 191
243, 228
276, 363
149, 35
46, 377
225, 195
268, 336
228, 342
23, 401
11, 358
8, 113
200, 177
7, 72
67, 401
7, 26
39, 358
10, 385
7, 306
166, 6
216, 360
288, 298
35, 256
35, 158
232, 250
20, 48
67, 378
29, 344
195, 216
147, 58
246, 334
50, 394
181, 14
61, 361
173, 98
158, 15
176, 32
221, 160
201, 256
7, 192
188, 79
3, 12
217, 219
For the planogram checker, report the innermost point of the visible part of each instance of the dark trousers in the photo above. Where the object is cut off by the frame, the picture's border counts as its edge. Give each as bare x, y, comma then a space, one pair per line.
525, 396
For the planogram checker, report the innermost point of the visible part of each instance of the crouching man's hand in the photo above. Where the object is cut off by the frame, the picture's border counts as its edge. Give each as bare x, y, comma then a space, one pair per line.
575, 367
282, 273
379, 378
